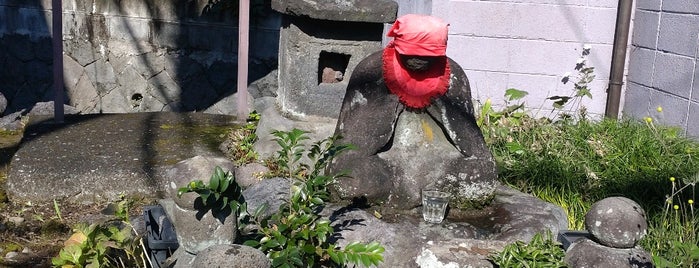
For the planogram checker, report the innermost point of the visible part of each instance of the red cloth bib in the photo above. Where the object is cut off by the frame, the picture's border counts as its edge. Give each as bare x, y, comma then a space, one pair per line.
415, 89
422, 36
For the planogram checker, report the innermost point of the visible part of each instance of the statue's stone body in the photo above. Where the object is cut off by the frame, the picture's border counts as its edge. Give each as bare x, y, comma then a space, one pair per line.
402, 150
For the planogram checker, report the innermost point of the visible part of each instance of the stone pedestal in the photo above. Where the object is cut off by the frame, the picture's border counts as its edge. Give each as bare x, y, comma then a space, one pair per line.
320, 43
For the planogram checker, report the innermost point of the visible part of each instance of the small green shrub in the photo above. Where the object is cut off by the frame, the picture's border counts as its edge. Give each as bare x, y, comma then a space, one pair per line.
222, 195
112, 244
295, 236
240, 142
542, 251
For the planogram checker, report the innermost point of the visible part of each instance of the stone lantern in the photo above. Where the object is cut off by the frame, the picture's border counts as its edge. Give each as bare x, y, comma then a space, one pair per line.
320, 43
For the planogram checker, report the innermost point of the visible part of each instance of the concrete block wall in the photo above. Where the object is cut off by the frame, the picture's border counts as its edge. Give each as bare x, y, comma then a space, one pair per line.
530, 45
664, 65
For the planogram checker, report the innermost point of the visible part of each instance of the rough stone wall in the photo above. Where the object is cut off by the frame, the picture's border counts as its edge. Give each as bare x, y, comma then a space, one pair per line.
664, 64
131, 55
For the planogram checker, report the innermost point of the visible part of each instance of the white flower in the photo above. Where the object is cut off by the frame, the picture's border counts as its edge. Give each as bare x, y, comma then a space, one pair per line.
580, 61
587, 47
566, 75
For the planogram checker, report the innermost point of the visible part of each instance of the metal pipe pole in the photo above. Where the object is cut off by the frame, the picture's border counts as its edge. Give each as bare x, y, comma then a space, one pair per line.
243, 43
621, 41
57, 44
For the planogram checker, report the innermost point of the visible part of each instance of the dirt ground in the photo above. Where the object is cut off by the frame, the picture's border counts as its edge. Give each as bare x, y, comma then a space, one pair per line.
32, 234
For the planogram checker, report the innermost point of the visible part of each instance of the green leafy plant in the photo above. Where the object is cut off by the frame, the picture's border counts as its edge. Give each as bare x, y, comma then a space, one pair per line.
294, 236
673, 240
541, 251
112, 244
585, 76
57, 210
222, 195
488, 116
287, 160
240, 142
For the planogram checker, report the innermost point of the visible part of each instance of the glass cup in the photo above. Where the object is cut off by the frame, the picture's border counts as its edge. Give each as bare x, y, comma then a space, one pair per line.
434, 205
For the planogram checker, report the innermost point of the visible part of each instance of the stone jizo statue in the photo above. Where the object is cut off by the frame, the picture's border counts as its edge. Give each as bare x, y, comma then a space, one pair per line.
409, 111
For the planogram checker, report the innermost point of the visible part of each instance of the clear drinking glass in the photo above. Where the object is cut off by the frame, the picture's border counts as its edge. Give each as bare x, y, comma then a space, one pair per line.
434, 205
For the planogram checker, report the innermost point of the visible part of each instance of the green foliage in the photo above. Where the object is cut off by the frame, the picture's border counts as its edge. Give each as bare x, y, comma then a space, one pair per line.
111, 244
289, 156
574, 163
241, 141
498, 123
222, 195
585, 76
673, 240
295, 236
540, 252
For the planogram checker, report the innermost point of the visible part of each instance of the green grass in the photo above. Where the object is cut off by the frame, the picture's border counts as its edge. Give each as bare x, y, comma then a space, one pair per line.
576, 163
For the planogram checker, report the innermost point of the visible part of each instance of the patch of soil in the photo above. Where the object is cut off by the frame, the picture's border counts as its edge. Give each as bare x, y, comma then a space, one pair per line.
36, 232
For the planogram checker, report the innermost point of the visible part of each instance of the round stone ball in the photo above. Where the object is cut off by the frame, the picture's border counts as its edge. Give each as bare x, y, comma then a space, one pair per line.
616, 222
231, 256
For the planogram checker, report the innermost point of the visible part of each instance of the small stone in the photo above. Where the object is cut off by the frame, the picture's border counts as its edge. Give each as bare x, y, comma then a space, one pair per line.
272, 192
3, 103
199, 229
16, 220
616, 222
587, 253
27, 250
250, 174
11, 255
233, 256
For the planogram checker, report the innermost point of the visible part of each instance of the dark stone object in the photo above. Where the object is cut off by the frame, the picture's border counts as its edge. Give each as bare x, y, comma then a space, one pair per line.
401, 151
568, 237
378, 11
231, 256
271, 192
48, 108
161, 239
587, 253
616, 222
3, 103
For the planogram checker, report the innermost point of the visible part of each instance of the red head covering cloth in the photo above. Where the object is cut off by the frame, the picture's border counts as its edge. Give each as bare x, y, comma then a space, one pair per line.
417, 35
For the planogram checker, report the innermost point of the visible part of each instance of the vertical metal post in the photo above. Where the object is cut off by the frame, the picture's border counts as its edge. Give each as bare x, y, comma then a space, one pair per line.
57, 44
621, 41
243, 43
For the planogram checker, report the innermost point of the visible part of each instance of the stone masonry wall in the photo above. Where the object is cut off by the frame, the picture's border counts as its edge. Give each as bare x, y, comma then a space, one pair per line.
131, 55
664, 64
